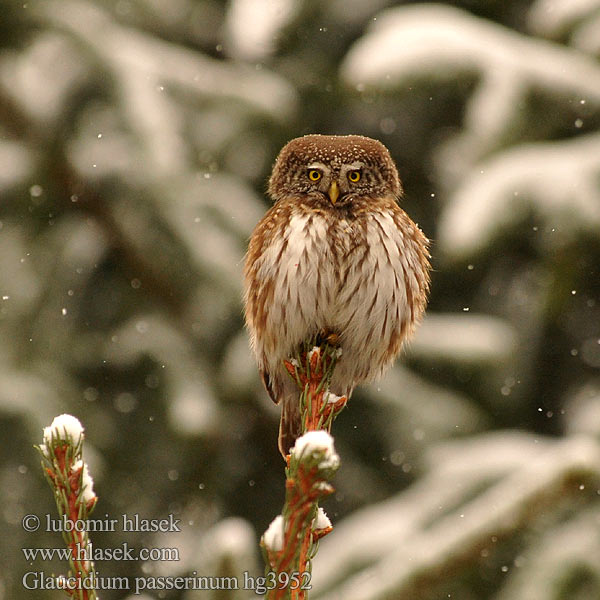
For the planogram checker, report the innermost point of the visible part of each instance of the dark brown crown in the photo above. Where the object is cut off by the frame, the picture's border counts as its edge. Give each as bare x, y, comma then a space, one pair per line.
335, 150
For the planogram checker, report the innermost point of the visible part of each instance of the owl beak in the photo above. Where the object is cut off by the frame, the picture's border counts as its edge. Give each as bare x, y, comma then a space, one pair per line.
334, 192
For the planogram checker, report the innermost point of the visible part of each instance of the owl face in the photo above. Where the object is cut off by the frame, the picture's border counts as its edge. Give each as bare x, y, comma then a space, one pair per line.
334, 170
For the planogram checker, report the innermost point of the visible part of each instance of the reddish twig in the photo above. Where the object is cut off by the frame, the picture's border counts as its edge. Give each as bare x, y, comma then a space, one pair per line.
72, 485
291, 541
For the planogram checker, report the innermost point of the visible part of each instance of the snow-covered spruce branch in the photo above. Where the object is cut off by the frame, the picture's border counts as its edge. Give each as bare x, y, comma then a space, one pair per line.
73, 487
291, 541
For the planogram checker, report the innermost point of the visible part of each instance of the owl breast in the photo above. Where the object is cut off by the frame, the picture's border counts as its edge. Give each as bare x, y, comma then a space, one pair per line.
355, 276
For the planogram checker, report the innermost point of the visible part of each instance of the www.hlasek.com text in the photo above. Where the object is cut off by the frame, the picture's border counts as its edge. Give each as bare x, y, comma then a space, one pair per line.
93, 553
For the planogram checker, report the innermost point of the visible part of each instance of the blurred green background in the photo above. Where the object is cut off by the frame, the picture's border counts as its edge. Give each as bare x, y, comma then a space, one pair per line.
136, 138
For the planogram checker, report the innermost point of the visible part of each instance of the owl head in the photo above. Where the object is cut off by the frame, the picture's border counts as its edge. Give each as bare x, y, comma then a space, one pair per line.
334, 169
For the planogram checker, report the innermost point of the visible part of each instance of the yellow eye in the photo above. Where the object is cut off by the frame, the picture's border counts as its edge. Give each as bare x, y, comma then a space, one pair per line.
354, 176
314, 174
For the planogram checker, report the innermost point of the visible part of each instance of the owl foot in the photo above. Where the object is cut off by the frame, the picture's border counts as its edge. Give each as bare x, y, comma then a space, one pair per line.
327, 336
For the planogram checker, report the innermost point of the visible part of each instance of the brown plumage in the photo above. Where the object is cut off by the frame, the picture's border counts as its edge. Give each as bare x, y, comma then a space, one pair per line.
334, 253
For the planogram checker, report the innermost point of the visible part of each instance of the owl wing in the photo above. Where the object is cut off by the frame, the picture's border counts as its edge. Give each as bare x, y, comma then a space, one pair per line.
259, 293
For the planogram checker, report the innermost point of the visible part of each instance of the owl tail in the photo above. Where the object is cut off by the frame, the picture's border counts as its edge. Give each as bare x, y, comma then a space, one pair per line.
290, 426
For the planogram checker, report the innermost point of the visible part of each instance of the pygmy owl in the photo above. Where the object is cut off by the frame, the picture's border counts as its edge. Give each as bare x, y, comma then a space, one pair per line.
335, 253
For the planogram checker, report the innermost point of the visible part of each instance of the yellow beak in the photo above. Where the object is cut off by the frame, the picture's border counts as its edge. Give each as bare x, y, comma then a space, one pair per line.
334, 192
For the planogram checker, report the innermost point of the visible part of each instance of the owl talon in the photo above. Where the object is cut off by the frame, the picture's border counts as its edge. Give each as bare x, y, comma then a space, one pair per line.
326, 336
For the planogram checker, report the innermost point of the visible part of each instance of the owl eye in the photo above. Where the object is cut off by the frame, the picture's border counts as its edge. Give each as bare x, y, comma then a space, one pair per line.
354, 176
314, 174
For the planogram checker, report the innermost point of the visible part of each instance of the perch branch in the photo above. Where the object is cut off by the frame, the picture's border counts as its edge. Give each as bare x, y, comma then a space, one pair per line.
72, 485
291, 542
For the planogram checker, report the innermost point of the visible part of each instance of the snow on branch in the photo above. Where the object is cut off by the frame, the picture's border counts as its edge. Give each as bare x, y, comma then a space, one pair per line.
442, 43
579, 18
465, 338
252, 27
557, 182
73, 489
149, 75
135, 52
422, 537
553, 17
